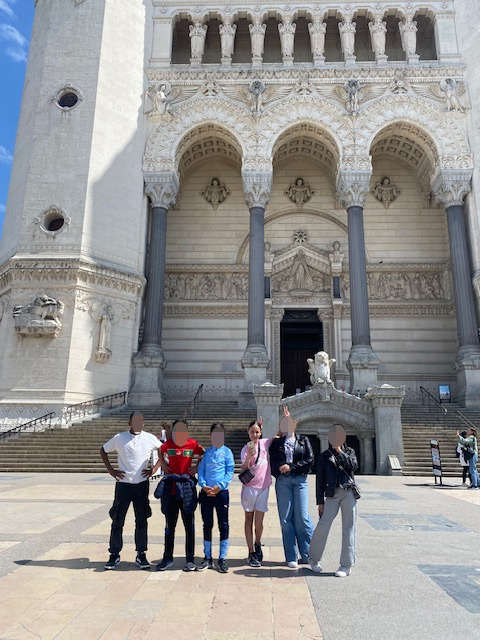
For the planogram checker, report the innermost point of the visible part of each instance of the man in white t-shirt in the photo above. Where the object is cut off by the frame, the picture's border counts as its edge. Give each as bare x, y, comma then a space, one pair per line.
134, 448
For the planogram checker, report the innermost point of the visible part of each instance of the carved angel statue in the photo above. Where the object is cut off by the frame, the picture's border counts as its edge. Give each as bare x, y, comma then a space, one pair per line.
319, 368
408, 32
287, 35
197, 33
317, 30
378, 34
227, 38
257, 37
347, 36
449, 91
299, 192
162, 97
257, 94
352, 93
215, 193
352, 89
385, 191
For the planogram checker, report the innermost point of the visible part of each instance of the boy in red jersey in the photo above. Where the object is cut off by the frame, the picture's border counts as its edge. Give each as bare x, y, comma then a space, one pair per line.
179, 495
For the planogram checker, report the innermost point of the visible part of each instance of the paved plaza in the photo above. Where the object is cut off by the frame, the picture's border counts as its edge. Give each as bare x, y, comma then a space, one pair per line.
417, 573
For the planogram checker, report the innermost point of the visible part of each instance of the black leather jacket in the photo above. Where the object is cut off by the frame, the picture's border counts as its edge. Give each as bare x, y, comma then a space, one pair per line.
302, 456
329, 476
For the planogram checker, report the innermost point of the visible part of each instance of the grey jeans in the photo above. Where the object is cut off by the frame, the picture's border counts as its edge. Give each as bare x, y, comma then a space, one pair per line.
343, 499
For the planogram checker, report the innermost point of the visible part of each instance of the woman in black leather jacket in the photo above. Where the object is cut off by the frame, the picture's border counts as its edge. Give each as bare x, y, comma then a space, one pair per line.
335, 481
291, 459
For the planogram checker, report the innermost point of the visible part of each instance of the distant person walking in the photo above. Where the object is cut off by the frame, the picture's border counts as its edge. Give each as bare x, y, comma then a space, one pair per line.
335, 480
460, 450
134, 448
470, 454
291, 459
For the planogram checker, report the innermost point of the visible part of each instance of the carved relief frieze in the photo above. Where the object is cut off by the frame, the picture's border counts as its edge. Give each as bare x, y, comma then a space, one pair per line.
95, 306
206, 286
40, 317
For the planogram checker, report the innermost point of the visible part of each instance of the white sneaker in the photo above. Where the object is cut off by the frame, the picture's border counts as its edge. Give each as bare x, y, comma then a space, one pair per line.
464, 484
343, 572
293, 564
316, 567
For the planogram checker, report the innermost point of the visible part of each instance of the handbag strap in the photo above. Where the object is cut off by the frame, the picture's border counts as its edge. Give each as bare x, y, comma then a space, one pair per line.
339, 464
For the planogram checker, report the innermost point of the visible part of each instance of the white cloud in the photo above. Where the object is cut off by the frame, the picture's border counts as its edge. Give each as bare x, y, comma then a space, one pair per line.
6, 8
5, 156
17, 50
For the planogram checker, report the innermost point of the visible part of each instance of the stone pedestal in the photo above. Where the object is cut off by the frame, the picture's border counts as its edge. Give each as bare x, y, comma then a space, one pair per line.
387, 401
268, 397
363, 366
468, 380
147, 390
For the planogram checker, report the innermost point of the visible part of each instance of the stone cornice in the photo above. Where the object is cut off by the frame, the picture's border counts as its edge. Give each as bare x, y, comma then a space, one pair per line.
426, 308
206, 311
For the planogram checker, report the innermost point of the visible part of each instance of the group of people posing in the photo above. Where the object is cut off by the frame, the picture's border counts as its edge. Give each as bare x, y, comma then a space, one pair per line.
288, 457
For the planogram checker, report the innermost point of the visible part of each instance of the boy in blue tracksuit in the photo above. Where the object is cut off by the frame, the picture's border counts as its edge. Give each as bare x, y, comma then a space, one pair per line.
215, 473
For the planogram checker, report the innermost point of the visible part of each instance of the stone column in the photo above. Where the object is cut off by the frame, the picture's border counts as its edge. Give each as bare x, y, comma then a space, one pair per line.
347, 30
336, 266
317, 30
256, 185
450, 188
150, 361
378, 34
368, 463
267, 398
387, 402
352, 186
408, 33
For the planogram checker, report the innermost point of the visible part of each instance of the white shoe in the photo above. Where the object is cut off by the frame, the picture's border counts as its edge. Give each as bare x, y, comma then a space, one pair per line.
464, 484
293, 564
316, 567
343, 572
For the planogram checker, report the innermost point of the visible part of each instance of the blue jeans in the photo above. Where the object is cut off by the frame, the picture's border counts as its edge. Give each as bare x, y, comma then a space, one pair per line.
297, 526
472, 464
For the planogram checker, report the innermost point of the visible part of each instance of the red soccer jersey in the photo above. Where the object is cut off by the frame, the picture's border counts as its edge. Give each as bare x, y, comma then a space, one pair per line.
180, 458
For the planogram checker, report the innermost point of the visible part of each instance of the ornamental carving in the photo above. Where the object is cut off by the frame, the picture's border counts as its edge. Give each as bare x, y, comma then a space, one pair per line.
385, 191
299, 278
162, 188
206, 286
402, 286
39, 318
215, 193
299, 192
160, 98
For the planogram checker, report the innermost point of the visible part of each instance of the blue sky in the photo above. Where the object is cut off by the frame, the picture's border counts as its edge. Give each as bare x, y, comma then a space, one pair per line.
16, 18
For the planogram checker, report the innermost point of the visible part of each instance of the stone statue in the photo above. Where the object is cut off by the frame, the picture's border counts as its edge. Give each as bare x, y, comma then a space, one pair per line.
451, 93
385, 191
408, 31
352, 89
197, 33
257, 89
160, 98
257, 37
378, 33
299, 192
227, 38
301, 276
215, 193
319, 368
103, 352
287, 36
317, 30
42, 317
347, 36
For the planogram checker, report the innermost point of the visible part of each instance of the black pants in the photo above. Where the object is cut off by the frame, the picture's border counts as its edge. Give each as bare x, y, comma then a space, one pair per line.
175, 507
125, 493
220, 503
465, 471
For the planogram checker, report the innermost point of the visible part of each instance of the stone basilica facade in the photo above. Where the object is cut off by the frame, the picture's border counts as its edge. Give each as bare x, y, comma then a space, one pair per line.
212, 194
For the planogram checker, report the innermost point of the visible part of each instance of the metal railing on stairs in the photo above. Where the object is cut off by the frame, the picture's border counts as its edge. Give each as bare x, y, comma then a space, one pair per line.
191, 410
39, 424
465, 420
90, 407
433, 404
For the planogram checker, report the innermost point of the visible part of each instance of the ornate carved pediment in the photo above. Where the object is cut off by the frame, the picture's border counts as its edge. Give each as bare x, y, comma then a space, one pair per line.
300, 271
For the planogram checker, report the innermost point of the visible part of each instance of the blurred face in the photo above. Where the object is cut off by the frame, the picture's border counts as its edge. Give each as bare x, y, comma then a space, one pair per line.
136, 424
255, 433
337, 435
218, 438
180, 434
287, 426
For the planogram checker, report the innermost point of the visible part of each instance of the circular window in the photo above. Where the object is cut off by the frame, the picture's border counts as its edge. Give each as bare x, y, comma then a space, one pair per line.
53, 221
67, 100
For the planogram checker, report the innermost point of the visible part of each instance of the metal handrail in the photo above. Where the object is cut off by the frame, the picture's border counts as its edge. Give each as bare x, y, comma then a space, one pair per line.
465, 420
192, 407
436, 403
82, 409
30, 425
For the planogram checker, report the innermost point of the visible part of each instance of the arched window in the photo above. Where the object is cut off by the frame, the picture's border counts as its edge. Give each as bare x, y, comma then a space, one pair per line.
393, 45
242, 52
272, 50
426, 48
302, 50
181, 43
363, 41
333, 47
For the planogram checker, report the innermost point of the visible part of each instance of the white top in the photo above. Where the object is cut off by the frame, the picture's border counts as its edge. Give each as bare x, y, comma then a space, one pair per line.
133, 453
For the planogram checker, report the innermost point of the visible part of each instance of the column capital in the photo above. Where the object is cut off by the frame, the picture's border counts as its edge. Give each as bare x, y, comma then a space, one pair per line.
353, 180
451, 185
257, 181
386, 396
162, 188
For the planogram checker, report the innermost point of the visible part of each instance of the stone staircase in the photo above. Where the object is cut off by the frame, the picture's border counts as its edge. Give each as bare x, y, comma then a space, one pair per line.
420, 426
76, 449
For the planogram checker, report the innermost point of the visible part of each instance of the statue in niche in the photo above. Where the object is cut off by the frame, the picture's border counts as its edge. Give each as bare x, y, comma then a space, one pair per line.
385, 191
103, 352
197, 34
408, 31
215, 193
299, 192
287, 36
352, 89
317, 30
347, 36
378, 33
319, 368
227, 38
41, 317
257, 37
300, 276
